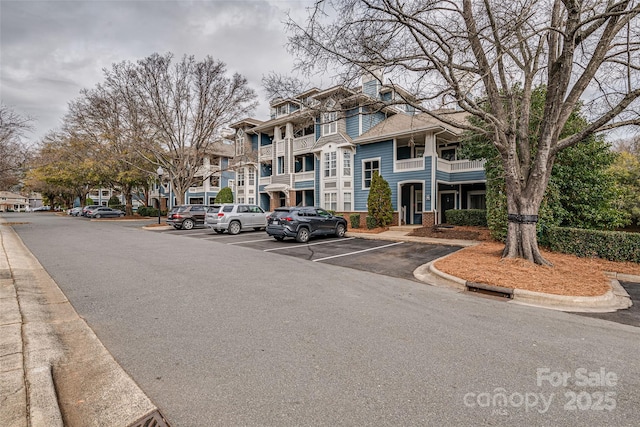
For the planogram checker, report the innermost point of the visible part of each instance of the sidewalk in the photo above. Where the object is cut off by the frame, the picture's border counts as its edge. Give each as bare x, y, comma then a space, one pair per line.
616, 298
47, 353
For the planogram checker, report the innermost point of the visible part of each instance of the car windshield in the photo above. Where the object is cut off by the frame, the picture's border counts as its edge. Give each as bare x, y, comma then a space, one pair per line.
214, 209
281, 214
183, 208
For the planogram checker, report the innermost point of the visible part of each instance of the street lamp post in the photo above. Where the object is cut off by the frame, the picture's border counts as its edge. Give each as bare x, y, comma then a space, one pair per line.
159, 171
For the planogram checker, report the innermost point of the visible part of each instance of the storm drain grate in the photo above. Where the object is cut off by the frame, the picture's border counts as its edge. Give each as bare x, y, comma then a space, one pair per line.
154, 419
495, 291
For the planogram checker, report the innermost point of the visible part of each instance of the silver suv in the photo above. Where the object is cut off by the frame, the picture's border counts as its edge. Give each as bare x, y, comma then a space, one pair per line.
235, 217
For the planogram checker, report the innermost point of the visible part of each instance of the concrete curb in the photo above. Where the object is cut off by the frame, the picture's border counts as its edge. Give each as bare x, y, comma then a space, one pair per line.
614, 299
60, 371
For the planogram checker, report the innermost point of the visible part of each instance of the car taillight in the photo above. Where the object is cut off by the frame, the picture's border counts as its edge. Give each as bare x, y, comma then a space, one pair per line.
177, 215
287, 218
220, 214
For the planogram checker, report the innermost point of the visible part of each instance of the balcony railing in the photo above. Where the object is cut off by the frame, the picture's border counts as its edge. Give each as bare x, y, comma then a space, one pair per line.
304, 176
304, 143
196, 189
279, 148
410, 164
460, 165
266, 151
265, 180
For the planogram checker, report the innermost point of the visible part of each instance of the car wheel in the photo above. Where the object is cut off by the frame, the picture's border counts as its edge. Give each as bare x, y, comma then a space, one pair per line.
121, 215
97, 216
187, 224
303, 235
234, 227
279, 238
340, 230
219, 231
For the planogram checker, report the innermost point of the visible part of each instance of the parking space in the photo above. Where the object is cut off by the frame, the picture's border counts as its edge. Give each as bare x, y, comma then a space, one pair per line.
396, 259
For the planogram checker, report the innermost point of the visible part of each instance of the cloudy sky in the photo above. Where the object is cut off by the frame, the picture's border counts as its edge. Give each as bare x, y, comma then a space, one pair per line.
50, 50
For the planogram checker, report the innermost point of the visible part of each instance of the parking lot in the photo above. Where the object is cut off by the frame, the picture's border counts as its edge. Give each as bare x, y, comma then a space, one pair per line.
395, 259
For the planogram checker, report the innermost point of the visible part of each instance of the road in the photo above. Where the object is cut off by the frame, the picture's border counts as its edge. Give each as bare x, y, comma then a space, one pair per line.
220, 334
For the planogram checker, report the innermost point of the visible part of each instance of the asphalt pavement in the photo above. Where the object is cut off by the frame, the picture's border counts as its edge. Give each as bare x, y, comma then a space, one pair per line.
224, 334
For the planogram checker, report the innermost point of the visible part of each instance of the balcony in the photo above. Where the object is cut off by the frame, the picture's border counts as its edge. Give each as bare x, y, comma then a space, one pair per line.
409, 164
304, 143
304, 176
266, 151
460, 165
265, 180
196, 189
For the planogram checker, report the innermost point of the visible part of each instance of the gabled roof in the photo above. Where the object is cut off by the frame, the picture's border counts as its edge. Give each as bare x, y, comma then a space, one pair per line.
404, 124
10, 195
248, 121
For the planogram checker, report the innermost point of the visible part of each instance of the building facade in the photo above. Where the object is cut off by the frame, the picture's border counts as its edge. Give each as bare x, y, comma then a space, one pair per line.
323, 147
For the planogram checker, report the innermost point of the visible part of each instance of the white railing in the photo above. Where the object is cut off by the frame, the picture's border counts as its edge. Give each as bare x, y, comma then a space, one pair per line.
410, 164
196, 189
266, 151
304, 176
460, 165
279, 148
265, 180
304, 143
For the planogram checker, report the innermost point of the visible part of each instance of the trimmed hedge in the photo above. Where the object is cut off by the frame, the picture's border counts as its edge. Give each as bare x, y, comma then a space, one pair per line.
354, 219
149, 211
473, 217
371, 222
611, 245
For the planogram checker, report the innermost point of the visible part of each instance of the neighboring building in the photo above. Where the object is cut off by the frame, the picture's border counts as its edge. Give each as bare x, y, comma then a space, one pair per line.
13, 202
303, 157
214, 172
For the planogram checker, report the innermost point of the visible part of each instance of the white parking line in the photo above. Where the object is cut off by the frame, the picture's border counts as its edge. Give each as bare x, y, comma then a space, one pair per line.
357, 252
248, 241
308, 244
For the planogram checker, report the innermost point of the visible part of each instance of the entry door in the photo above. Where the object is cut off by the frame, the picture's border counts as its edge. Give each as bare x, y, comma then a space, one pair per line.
447, 201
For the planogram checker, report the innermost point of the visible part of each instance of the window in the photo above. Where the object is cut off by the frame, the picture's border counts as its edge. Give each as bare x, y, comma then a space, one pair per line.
477, 200
214, 181
419, 199
448, 154
368, 168
280, 170
240, 178
346, 163
240, 199
251, 201
252, 176
330, 164
331, 201
240, 143
347, 201
329, 123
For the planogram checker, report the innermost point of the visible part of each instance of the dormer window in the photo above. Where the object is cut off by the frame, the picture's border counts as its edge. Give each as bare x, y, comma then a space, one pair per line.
240, 143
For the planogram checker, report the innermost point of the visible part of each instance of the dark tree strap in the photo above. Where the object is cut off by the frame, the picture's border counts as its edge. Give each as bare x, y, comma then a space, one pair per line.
522, 219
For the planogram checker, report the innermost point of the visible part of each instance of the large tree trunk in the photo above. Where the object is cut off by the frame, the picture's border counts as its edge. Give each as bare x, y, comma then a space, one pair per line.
523, 205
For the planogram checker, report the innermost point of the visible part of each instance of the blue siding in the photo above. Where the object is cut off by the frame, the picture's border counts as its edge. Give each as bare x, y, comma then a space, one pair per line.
383, 150
353, 123
261, 188
386, 96
318, 129
370, 88
304, 185
428, 185
254, 142
370, 120
264, 201
455, 177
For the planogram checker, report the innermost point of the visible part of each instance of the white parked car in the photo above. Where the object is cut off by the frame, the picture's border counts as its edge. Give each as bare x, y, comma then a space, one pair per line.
234, 218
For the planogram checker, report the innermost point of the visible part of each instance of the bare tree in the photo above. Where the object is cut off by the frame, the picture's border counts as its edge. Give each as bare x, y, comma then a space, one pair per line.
486, 57
185, 104
13, 152
115, 127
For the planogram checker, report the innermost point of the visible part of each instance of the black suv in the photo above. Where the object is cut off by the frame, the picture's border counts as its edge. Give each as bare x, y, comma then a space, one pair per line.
303, 222
187, 216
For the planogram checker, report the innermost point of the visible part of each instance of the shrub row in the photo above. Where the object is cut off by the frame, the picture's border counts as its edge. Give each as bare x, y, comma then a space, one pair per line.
149, 211
473, 217
354, 219
611, 245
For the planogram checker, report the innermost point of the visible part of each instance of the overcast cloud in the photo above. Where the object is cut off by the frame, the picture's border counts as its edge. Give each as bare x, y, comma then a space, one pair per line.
50, 50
